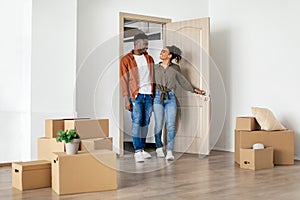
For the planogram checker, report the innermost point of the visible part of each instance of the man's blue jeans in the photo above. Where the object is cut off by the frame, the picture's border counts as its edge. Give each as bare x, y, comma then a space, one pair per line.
166, 108
141, 112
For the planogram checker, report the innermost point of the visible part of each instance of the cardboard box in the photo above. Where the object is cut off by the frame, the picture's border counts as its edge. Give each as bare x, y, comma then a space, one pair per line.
84, 172
104, 125
52, 126
237, 146
91, 128
281, 141
46, 146
256, 158
31, 175
70, 123
246, 124
96, 144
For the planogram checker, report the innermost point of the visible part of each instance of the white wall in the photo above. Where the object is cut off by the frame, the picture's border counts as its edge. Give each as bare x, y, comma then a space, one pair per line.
15, 44
252, 44
256, 46
54, 24
38, 64
98, 50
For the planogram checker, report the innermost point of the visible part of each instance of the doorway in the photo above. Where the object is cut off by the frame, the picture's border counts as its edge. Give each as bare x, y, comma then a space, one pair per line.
192, 36
130, 25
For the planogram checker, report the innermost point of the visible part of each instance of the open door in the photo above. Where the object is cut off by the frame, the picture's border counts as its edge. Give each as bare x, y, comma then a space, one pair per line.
192, 37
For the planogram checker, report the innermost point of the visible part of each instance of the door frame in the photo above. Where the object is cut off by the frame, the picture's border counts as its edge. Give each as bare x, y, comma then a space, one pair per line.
136, 17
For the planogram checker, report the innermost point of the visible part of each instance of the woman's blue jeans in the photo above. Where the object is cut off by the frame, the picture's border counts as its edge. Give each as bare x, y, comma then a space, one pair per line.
167, 108
141, 112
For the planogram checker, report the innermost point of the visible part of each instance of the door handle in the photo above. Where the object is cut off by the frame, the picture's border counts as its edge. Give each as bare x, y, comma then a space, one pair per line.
206, 97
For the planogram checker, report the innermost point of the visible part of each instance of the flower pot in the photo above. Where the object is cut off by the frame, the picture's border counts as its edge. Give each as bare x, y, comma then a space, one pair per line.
72, 147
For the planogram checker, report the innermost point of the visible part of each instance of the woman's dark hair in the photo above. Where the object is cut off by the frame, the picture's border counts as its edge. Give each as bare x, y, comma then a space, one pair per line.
175, 52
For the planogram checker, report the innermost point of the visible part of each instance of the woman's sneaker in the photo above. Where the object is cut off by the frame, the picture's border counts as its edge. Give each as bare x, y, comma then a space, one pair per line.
138, 156
160, 152
169, 155
146, 154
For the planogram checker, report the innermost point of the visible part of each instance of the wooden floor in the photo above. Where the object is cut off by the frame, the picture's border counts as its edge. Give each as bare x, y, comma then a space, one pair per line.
189, 177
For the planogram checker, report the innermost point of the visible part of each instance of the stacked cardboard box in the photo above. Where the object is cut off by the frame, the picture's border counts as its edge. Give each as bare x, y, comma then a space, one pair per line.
88, 145
93, 169
94, 134
248, 132
48, 144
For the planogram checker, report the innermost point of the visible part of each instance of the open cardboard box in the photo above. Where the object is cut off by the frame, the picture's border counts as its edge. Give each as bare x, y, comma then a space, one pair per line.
246, 124
86, 129
53, 125
96, 144
281, 141
256, 158
90, 128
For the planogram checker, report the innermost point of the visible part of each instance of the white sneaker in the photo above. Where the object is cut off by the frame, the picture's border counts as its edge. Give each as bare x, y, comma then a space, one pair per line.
139, 157
146, 154
169, 156
160, 153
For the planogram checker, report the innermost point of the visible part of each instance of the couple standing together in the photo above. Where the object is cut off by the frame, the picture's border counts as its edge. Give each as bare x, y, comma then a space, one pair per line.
146, 87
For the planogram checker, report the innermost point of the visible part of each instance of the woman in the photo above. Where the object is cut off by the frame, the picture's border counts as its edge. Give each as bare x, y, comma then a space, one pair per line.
167, 75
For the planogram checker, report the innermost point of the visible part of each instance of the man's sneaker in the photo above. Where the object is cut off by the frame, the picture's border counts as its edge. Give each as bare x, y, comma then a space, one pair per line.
169, 156
138, 156
146, 154
160, 153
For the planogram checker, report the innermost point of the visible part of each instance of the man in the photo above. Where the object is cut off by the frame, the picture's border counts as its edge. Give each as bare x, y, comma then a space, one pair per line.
136, 78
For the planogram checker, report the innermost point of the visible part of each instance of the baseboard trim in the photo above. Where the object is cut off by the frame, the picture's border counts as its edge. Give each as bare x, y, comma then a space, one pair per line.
128, 146
5, 164
222, 149
296, 158
228, 150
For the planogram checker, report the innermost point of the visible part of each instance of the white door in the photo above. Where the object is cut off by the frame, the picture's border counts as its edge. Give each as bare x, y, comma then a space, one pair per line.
192, 37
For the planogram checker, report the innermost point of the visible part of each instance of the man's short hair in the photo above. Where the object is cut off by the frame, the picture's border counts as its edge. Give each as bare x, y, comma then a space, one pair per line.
140, 36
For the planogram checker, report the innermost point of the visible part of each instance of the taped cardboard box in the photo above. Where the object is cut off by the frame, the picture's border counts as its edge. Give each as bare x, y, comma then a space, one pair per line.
53, 125
246, 124
96, 144
281, 141
84, 172
70, 123
46, 146
31, 175
91, 128
256, 158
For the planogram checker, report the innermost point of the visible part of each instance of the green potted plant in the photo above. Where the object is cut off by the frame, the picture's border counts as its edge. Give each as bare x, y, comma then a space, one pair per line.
71, 139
